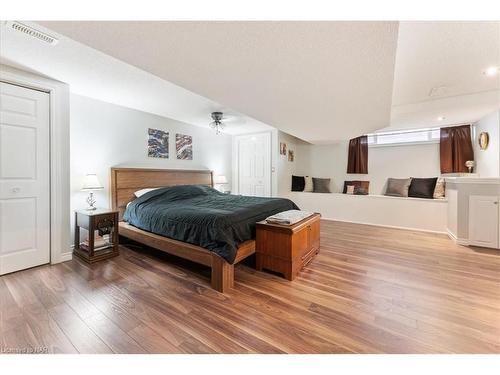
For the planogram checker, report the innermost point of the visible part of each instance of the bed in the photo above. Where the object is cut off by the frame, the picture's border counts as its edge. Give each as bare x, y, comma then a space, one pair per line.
187, 218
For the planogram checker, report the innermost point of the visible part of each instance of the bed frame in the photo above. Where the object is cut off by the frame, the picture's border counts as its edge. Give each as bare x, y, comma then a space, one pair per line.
125, 181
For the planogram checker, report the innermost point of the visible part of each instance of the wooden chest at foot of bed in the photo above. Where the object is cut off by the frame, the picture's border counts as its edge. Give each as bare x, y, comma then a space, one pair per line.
287, 249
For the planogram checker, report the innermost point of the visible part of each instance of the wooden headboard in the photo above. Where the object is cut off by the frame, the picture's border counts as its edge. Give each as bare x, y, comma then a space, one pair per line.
126, 181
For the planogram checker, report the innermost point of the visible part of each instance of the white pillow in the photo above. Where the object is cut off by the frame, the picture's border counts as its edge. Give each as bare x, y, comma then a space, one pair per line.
440, 189
308, 184
141, 192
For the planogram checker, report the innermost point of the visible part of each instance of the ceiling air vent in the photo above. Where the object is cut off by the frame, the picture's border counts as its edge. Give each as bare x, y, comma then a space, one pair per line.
438, 91
34, 33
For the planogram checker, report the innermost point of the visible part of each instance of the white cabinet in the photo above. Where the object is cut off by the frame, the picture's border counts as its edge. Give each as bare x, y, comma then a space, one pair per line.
473, 210
483, 220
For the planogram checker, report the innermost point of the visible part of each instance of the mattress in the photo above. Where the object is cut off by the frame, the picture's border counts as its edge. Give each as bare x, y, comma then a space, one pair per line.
203, 216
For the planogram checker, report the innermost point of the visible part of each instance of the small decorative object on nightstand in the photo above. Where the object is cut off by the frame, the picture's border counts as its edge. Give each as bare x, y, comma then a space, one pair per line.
101, 227
470, 164
287, 249
91, 183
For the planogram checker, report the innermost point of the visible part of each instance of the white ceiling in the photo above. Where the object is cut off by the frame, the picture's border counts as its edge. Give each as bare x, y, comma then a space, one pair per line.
452, 55
319, 81
94, 74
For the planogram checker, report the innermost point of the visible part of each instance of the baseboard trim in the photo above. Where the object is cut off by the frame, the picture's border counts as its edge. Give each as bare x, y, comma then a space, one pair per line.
387, 226
451, 235
66, 256
460, 241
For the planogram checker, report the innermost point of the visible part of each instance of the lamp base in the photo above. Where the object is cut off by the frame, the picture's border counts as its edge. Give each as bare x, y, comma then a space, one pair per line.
91, 202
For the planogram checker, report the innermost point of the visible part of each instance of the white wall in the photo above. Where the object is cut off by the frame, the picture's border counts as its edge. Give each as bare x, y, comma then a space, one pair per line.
104, 135
286, 168
330, 161
488, 161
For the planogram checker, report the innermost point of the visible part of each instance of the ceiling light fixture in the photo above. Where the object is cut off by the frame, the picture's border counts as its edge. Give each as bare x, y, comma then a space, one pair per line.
441, 118
217, 124
491, 71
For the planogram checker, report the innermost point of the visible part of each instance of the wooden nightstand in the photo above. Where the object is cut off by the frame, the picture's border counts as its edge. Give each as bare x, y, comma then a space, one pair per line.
287, 249
101, 241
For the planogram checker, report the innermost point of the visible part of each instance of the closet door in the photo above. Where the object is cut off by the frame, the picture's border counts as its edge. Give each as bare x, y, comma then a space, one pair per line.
254, 164
24, 178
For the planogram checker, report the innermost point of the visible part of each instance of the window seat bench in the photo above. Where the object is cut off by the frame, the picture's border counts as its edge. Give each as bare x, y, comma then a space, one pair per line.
428, 215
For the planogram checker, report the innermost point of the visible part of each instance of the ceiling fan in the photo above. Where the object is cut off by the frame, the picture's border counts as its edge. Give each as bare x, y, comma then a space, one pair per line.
221, 120
217, 124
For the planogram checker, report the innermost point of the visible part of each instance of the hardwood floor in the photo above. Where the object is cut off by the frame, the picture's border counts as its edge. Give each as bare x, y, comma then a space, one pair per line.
370, 290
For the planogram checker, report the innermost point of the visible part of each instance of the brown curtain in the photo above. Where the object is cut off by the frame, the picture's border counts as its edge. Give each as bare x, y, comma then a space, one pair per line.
455, 148
357, 160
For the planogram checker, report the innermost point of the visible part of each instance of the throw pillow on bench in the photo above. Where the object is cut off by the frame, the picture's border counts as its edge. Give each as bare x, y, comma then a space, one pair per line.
427, 188
321, 185
398, 187
358, 187
311, 184
298, 183
422, 188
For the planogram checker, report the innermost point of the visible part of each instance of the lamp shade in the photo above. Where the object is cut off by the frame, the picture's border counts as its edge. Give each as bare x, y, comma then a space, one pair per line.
91, 182
220, 180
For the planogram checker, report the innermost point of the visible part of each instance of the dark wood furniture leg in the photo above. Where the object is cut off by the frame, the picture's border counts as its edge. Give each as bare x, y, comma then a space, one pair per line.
77, 232
222, 278
222, 274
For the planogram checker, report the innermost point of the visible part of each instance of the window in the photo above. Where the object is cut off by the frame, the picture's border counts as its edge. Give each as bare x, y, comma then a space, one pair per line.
401, 137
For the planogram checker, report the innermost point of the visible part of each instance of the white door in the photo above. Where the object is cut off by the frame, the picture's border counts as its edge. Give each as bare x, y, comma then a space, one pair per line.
483, 220
24, 178
254, 164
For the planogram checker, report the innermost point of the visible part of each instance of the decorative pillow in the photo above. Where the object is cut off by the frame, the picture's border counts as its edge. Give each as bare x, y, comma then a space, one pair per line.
398, 187
422, 187
321, 185
298, 183
440, 189
363, 187
308, 186
349, 189
138, 193
360, 190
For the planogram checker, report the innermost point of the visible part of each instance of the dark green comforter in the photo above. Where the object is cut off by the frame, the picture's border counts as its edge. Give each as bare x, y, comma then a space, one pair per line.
203, 216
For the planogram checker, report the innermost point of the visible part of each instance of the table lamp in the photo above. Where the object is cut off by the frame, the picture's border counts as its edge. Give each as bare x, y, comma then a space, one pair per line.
220, 180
